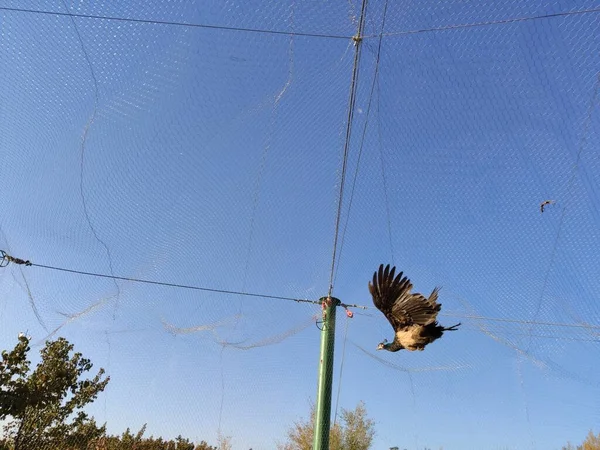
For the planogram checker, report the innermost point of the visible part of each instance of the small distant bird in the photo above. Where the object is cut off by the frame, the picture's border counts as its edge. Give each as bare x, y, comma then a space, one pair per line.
412, 316
545, 203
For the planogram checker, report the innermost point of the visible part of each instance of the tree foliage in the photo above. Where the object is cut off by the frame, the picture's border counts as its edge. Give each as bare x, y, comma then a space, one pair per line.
44, 407
129, 441
46, 404
354, 432
592, 442
223, 442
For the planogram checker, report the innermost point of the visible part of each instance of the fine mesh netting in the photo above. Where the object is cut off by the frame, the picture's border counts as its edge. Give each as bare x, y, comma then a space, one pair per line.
204, 147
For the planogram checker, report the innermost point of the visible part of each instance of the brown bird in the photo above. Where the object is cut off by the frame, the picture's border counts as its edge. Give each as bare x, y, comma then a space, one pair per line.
412, 316
545, 203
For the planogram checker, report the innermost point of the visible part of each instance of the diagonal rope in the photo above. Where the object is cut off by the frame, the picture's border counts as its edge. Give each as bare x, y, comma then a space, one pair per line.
492, 22
222, 390
404, 369
350, 120
315, 302
522, 322
177, 285
362, 140
337, 398
270, 340
265, 153
4, 261
582, 145
32, 303
524, 395
383, 174
171, 23
83, 146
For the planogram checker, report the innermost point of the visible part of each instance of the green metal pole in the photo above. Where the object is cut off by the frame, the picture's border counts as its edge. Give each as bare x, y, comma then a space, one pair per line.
323, 412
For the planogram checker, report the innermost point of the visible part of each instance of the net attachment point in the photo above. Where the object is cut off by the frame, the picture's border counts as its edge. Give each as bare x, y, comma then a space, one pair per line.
332, 301
6, 259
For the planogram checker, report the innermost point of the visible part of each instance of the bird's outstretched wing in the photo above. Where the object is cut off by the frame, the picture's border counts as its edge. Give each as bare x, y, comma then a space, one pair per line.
393, 298
386, 290
417, 309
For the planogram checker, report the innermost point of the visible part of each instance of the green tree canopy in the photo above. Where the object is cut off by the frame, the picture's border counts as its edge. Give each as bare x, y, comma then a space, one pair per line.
46, 404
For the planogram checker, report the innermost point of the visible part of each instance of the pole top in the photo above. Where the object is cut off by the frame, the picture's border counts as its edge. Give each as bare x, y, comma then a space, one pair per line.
334, 301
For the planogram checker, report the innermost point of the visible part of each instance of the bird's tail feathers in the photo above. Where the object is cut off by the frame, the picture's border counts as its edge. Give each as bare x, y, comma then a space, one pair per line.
453, 327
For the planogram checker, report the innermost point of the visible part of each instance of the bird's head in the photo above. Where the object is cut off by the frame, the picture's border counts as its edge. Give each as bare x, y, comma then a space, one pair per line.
382, 345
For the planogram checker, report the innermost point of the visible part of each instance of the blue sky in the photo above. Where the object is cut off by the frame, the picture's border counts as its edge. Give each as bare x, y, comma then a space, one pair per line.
214, 159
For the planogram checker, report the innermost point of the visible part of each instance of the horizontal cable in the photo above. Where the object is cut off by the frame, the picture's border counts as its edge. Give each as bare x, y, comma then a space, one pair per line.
316, 302
7, 258
175, 285
559, 338
555, 337
289, 33
526, 322
508, 320
488, 23
172, 23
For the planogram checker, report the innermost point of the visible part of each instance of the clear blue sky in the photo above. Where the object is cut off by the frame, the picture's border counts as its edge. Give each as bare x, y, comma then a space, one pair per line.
214, 159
